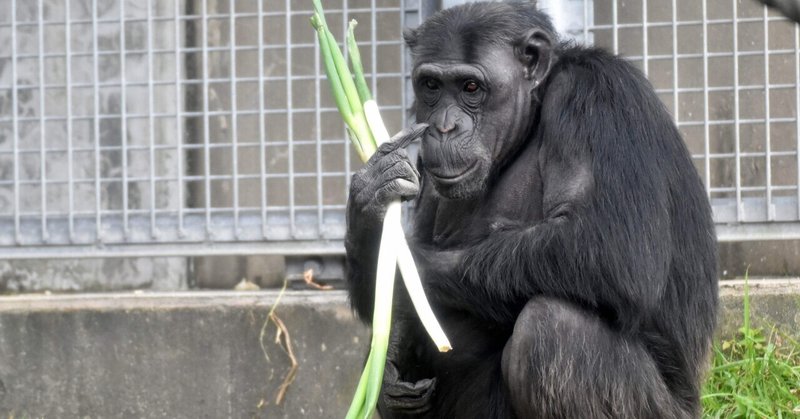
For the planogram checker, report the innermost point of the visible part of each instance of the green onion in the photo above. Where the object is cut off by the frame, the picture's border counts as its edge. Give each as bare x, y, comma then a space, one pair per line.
367, 130
355, 60
343, 87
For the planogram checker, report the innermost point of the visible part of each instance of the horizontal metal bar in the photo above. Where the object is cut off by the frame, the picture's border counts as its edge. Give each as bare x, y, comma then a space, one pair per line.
725, 233
187, 178
246, 112
720, 189
209, 225
187, 82
740, 53
771, 153
170, 19
182, 82
283, 175
122, 301
32, 215
183, 146
712, 89
242, 112
742, 121
758, 232
170, 51
161, 249
695, 22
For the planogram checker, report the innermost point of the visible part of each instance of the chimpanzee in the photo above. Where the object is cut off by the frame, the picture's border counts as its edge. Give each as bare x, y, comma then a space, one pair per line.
562, 233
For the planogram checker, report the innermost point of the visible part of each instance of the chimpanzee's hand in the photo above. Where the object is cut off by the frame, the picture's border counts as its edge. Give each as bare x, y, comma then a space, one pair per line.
388, 175
405, 397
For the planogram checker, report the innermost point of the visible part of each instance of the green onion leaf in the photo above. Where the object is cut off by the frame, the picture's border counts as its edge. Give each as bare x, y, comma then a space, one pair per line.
367, 130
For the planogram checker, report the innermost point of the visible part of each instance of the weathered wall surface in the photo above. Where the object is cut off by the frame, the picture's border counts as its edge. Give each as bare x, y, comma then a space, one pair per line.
192, 356
197, 355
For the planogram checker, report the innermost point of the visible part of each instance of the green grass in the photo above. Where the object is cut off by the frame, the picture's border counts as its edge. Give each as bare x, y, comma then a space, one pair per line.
753, 375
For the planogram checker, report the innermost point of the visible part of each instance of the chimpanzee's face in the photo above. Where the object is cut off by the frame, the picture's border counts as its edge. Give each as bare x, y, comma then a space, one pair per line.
477, 100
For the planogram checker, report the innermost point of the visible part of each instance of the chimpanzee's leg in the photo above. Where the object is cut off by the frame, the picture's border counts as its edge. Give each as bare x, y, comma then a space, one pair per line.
562, 362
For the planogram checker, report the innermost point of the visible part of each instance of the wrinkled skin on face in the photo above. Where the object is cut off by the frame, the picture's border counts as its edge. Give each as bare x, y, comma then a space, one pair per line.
479, 112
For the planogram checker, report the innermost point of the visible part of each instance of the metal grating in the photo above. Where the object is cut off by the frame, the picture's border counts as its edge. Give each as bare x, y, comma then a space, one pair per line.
132, 128
137, 128
729, 72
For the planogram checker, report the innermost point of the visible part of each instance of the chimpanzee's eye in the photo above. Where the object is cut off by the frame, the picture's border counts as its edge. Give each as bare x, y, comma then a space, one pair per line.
431, 84
471, 86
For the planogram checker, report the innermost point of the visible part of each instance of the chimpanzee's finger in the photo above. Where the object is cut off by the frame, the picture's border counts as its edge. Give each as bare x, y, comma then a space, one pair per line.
401, 140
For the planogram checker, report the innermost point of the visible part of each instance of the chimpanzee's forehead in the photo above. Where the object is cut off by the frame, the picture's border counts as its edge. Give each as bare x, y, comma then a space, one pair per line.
465, 33
456, 49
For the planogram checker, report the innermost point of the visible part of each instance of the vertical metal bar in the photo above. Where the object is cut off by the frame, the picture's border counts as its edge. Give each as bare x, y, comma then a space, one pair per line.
736, 122
42, 125
347, 168
645, 47
404, 70
96, 76
767, 128
428, 8
374, 46
151, 118
797, 108
179, 113
206, 128
318, 122
15, 120
290, 115
615, 25
586, 21
234, 118
262, 132
706, 111
70, 171
123, 110
675, 84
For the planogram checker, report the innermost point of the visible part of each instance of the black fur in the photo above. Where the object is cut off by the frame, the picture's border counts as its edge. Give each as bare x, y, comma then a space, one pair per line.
573, 264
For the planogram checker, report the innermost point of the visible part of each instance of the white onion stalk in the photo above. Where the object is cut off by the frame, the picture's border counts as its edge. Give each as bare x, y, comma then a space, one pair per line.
414, 286
393, 233
367, 131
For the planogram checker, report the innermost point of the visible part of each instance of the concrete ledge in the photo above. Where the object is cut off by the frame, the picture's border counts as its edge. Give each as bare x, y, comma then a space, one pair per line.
773, 302
188, 355
197, 354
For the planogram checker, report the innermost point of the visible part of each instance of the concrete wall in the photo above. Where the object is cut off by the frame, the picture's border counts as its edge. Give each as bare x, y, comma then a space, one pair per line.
197, 355
175, 356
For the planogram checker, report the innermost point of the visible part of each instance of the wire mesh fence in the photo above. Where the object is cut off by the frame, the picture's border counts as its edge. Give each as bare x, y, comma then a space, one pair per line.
729, 72
180, 124
192, 127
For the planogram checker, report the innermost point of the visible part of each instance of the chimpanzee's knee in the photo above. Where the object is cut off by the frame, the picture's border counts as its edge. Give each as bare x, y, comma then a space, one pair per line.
564, 362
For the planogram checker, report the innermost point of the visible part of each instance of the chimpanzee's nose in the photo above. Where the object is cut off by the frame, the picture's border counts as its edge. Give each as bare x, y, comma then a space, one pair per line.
446, 120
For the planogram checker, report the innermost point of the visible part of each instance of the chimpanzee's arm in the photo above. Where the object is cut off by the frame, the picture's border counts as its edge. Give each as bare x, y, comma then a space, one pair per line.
604, 241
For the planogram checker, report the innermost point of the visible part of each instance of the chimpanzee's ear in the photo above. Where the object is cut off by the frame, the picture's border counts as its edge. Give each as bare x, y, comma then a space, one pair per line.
535, 52
410, 36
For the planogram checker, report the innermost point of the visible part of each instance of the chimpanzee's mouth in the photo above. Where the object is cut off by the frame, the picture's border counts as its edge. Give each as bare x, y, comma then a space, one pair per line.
450, 178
